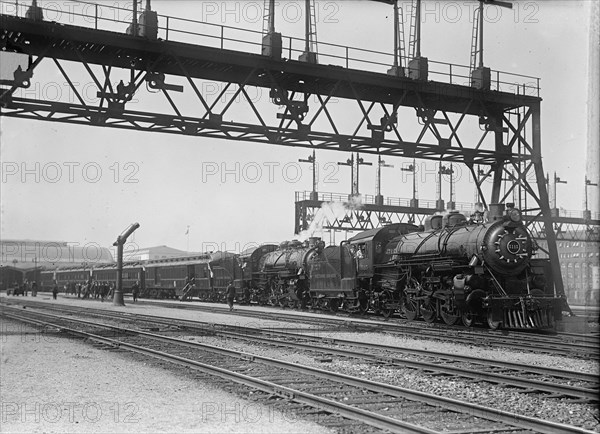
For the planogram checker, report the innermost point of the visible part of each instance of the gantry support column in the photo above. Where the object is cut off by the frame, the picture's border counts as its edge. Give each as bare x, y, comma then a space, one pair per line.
544, 203
496, 123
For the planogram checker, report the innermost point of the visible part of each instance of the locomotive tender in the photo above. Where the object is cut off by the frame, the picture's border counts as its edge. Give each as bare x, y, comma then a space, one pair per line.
477, 269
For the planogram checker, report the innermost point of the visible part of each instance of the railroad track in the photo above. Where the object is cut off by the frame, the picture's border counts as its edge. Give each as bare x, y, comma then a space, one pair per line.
571, 345
377, 404
530, 379
567, 344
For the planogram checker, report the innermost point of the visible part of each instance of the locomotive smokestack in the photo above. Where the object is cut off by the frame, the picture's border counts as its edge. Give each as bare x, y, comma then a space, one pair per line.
313, 242
496, 211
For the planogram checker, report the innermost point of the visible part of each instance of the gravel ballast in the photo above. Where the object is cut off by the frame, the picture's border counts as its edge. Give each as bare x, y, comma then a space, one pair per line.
172, 403
53, 384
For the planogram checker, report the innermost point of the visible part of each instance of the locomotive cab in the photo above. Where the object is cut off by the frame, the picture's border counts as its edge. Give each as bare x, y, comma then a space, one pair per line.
369, 247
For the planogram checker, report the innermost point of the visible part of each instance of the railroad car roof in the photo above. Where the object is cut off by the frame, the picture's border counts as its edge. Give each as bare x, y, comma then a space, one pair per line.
189, 260
93, 267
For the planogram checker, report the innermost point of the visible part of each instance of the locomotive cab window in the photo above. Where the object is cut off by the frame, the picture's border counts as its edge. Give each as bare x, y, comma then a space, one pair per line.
361, 251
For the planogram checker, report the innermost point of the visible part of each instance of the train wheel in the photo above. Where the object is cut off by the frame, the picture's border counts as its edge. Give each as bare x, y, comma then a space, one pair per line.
494, 325
333, 305
363, 306
467, 319
450, 318
410, 308
428, 310
384, 298
387, 312
410, 305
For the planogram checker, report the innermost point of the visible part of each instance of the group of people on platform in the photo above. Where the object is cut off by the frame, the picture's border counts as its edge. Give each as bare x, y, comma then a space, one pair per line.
23, 288
90, 289
86, 289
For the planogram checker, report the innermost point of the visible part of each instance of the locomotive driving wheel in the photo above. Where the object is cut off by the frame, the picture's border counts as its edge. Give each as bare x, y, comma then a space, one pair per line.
410, 306
428, 309
450, 317
448, 311
386, 297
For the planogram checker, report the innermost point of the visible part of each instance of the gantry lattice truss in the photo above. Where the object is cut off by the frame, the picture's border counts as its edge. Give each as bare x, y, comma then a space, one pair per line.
309, 105
372, 215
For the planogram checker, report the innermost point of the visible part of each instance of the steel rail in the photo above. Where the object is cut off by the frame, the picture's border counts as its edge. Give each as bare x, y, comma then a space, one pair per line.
321, 403
529, 341
449, 404
544, 345
201, 325
492, 377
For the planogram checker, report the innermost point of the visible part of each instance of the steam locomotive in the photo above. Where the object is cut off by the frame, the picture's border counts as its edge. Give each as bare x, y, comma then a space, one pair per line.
478, 269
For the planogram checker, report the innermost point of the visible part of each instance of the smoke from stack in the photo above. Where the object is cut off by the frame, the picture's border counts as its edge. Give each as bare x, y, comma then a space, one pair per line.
329, 213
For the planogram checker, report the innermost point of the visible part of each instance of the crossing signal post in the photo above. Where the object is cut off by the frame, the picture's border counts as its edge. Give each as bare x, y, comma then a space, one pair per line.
354, 164
414, 202
313, 160
444, 170
378, 196
587, 214
557, 181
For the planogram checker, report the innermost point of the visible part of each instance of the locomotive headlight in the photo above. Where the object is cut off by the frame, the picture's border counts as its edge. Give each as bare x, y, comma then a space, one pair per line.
515, 215
513, 247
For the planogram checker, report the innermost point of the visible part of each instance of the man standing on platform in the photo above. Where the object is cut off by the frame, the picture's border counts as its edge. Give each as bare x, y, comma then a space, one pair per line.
230, 295
135, 290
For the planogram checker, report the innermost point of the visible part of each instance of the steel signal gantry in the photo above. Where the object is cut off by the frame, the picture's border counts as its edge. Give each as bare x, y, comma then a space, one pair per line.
147, 65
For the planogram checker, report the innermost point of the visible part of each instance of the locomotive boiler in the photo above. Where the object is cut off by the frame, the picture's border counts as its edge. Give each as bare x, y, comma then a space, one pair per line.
283, 271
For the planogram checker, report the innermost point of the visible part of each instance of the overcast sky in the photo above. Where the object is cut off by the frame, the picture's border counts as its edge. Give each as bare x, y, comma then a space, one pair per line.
110, 178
